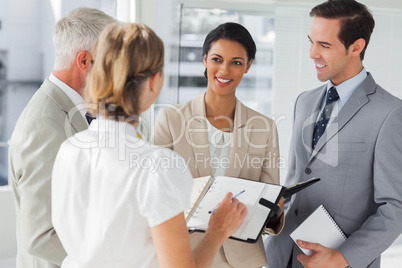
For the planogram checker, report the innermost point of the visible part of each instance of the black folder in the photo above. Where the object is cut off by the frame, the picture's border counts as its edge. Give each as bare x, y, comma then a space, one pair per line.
292, 189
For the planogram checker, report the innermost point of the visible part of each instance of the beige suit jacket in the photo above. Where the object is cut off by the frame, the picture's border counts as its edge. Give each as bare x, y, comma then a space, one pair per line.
44, 124
254, 155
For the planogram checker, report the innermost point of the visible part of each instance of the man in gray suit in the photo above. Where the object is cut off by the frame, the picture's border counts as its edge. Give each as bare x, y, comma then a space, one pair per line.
356, 149
51, 116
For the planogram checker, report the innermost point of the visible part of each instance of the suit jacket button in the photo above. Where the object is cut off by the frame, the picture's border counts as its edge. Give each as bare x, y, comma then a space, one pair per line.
307, 170
296, 212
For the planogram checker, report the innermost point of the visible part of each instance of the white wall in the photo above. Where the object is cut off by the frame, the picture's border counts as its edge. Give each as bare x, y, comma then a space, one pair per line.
294, 72
384, 56
8, 245
23, 32
3, 30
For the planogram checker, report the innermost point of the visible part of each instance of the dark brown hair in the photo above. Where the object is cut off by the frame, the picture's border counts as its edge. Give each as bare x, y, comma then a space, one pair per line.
233, 32
356, 20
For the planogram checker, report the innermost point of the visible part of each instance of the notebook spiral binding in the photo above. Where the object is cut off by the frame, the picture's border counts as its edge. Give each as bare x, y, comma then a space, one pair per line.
334, 222
202, 191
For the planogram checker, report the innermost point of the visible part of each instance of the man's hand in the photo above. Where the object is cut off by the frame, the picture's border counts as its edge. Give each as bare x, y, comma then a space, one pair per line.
322, 257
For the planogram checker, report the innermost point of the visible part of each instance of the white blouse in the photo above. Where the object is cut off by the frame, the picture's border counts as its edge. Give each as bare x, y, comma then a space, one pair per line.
108, 189
219, 149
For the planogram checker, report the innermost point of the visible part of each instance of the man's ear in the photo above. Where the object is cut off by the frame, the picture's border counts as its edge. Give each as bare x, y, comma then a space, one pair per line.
357, 47
84, 60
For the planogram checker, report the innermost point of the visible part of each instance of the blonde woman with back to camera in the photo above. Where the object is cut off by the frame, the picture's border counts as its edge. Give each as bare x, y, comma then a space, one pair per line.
110, 208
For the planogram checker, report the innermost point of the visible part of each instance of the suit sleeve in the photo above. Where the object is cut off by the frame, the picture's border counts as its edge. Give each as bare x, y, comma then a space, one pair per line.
270, 172
162, 135
291, 171
33, 150
289, 180
380, 230
270, 168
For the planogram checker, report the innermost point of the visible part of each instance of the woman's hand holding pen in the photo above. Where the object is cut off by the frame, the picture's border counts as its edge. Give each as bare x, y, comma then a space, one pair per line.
237, 195
227, 217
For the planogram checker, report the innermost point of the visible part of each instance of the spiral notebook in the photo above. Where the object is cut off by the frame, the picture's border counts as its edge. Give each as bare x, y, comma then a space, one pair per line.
215, 190
321, 228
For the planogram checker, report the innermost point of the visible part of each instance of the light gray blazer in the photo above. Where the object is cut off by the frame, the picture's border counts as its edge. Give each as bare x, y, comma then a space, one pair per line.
254, 155
359, 162
43, 125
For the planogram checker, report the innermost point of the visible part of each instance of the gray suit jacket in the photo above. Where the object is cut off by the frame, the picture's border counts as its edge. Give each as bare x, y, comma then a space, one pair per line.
43, 125
359, 161
254, 155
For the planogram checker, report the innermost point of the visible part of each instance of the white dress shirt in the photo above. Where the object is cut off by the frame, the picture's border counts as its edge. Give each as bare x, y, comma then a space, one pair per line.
219, 149
106, 198
345, 90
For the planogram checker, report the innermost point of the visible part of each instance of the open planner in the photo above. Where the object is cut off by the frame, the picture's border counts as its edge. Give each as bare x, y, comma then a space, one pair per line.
212, 190
260, 199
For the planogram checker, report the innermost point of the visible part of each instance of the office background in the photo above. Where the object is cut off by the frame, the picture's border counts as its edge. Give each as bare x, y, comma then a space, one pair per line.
281, 71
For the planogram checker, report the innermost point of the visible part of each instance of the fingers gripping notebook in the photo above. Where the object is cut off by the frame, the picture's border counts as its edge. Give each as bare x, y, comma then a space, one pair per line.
320, 228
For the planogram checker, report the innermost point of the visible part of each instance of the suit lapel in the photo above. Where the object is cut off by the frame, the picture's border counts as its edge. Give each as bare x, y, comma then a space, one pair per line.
198, 133
352, 106
310, 122
75, 119
239, 145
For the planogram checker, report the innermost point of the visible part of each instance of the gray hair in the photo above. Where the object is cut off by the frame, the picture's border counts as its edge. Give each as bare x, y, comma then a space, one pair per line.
77, 31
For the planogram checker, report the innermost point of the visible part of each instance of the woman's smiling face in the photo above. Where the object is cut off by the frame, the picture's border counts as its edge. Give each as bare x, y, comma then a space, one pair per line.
226, 63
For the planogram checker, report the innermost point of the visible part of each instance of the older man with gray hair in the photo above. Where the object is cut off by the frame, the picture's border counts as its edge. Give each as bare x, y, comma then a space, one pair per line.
44, 124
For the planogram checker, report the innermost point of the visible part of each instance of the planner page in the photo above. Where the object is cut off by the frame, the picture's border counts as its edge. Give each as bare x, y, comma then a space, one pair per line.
251, 194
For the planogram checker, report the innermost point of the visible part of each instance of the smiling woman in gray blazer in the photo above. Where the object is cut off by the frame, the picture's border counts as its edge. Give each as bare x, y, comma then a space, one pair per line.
218, 135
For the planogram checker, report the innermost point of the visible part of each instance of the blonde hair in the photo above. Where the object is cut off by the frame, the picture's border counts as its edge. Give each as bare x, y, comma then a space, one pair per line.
124, 57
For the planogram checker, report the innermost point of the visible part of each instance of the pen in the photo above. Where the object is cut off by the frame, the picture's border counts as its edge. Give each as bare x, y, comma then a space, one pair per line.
232, 199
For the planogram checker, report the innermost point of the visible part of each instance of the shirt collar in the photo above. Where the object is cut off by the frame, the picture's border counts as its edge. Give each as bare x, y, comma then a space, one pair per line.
71, 93
108, 125
120, 128
346, 89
